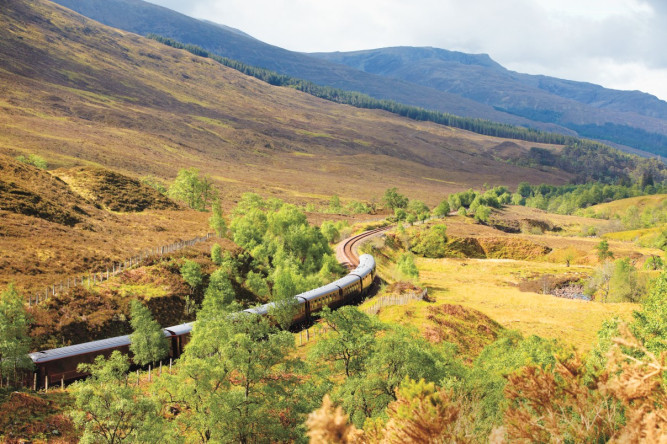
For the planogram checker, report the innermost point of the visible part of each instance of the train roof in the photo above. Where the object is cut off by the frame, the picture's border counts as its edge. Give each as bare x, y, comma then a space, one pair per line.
346, 280
80, 349
179, 329
317, 292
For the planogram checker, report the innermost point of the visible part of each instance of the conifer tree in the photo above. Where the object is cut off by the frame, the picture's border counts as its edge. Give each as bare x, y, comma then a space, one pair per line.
14, 339
217, 221
148, 343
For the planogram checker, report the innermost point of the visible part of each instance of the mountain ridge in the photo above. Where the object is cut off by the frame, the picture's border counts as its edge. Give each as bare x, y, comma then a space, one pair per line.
567, 116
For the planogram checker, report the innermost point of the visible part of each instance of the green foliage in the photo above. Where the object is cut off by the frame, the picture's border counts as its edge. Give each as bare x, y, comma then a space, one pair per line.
256, 283
236, 383
431, 243
419, 209
400, 214
356, 207
603, 251
217, 221
191, 273
293, 254
442, 209
329, 231
650, 324
393, 199
148, 343
154, 183
349, 344
14, 338
34, 160
334, 204
219, 293
406, 265
192, 189
654, 263
482, 213
216, 254
109, 410
625, 285
506, 355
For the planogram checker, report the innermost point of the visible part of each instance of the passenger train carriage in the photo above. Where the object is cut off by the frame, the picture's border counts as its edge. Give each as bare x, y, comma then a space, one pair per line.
55, 365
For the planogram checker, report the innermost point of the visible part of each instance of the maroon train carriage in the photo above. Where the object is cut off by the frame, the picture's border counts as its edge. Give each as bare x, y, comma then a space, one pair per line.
60, 364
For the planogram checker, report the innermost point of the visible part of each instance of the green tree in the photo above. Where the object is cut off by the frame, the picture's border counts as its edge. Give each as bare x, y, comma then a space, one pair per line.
624, 285
406, 265
524, 189
393, 199
334, 204
14, 339
219, 293
34, 160
349, 343
216, 254
256, 283
442, 209
650, 324
432, 242
235, 383
603, 251
654, 263
148, 343
109, 410
329, 231
191, 273
194, 190
482, 213
217, 221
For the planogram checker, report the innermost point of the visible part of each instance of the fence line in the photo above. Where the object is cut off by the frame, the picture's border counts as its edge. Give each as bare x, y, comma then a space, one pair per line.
97, 277
316, 330
392, 299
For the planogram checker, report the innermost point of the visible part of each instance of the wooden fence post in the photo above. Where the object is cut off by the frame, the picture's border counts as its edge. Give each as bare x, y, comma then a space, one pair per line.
46, 383
34, 382
170, 359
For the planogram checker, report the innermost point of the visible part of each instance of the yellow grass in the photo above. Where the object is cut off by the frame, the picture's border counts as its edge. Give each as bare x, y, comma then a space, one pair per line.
488, 286
619, 207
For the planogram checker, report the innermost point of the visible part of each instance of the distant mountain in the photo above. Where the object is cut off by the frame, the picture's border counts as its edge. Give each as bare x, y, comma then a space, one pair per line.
146, 18
627, 117
463, 84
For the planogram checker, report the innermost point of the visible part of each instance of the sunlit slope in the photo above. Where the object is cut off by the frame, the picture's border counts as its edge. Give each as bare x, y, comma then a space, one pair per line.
79, 93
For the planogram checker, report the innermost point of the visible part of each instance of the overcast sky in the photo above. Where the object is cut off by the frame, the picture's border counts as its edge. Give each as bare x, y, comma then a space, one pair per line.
619, 44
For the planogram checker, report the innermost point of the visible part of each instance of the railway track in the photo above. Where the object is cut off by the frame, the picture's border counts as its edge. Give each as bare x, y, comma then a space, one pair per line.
345, 251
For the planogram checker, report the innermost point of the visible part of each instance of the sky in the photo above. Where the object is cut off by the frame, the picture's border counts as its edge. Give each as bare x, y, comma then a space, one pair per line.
618, 44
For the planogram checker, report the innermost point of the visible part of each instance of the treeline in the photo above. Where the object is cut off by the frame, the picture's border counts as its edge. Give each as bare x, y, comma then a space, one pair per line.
567, 199
360, 100
587, 159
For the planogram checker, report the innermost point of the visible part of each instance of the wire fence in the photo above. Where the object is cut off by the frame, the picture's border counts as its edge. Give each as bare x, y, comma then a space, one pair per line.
394, 299
317, 330
92, 278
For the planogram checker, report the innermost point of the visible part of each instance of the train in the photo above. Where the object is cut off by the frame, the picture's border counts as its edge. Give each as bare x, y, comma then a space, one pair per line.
59, 365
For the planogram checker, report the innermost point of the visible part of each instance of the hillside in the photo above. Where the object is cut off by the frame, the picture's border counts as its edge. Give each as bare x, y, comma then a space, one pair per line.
145, 18
626, 117
51, 229
462, 84
81, 94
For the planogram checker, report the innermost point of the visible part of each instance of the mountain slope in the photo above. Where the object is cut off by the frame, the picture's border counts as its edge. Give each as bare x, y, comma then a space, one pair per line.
79, 93
145, 18
457, 83
576, 105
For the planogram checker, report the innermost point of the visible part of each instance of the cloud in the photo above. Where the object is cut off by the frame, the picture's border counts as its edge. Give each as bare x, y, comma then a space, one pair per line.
568, 37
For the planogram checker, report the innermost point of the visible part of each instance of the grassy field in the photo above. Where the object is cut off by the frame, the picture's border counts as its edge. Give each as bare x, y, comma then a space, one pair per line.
506, 285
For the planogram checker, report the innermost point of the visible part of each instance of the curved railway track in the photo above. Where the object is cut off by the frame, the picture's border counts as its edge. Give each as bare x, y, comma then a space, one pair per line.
345, 251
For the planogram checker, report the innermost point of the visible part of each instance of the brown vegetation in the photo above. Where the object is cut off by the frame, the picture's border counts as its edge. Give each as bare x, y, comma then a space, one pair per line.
469, 329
